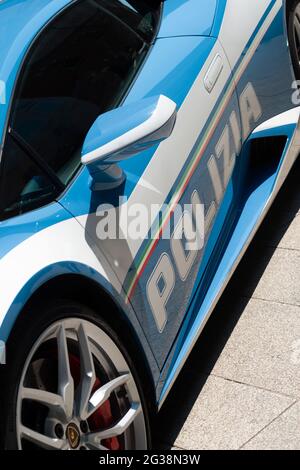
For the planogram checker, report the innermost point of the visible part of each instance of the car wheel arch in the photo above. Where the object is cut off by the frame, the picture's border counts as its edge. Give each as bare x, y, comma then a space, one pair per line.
87, 292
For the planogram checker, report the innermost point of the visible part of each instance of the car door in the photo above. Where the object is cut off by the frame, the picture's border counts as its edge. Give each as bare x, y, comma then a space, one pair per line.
81, 65
28, 206
98, 55
185, 177
167, 187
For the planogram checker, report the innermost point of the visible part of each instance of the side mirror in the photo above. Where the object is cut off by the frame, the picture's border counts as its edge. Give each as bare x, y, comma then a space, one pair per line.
125, 131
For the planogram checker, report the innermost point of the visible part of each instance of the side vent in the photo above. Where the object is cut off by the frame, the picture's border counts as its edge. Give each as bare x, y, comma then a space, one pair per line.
263, 161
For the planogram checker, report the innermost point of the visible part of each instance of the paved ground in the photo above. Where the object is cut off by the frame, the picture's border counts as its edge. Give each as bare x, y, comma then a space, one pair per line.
241, 387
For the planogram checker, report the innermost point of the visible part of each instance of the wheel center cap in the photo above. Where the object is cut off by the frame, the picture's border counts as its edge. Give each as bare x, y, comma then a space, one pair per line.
73, 435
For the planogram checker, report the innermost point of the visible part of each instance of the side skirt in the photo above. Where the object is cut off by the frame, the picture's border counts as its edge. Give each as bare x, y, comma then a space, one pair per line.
259, 192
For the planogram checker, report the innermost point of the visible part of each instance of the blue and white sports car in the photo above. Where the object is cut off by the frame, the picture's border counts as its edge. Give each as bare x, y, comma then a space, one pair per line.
142, 144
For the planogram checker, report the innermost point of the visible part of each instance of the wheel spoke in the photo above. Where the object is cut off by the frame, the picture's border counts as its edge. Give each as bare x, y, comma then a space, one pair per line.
41, 440
118, 429
87, 374
92, 446
65, 379
297, 24
53, 401
103, 393
61, 375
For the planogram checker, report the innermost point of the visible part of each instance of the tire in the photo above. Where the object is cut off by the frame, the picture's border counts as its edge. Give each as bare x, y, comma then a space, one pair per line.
293, 17
69, 384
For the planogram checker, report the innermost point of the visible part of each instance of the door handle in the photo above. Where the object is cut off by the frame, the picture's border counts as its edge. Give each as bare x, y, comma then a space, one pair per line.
213, 73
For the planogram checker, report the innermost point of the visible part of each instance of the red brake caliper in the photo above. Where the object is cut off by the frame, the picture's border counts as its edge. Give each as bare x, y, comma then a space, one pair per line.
103, 417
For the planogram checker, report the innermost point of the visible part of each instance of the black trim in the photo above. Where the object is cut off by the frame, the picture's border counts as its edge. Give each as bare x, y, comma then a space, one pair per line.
38, 160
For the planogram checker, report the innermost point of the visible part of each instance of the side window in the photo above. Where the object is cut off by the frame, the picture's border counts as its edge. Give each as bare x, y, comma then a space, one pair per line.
24, 185
79, 67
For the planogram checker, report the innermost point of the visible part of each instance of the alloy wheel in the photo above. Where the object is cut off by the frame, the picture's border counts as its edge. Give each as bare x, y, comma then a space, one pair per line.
78, 393
296, 32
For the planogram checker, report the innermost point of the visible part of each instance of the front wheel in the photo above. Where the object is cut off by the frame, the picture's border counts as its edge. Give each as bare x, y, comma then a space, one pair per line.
73, 387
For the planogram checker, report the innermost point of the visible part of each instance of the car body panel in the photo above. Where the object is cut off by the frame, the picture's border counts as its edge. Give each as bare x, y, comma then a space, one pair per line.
206, 155
45, 240
128, 253
252, 214
187, 18
137, 259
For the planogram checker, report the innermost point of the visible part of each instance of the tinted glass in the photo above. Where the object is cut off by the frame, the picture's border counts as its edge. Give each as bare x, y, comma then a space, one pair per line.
24, 186
80, 67
141, 15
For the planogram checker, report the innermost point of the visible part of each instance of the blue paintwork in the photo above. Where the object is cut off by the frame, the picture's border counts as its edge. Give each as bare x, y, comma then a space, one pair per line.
16, 230
249, 210
214, 269
172, 74
177, 73
256, 72
206, 264
271, 79
183, 290
231, 230
21, 21
71, 268
187, 18
218, 18
118, 122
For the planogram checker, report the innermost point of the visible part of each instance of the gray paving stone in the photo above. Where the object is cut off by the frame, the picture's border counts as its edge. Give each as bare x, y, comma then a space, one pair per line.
281, 434
280, 278
227, 414
264, 348
289, 196
291, 238
281, 230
